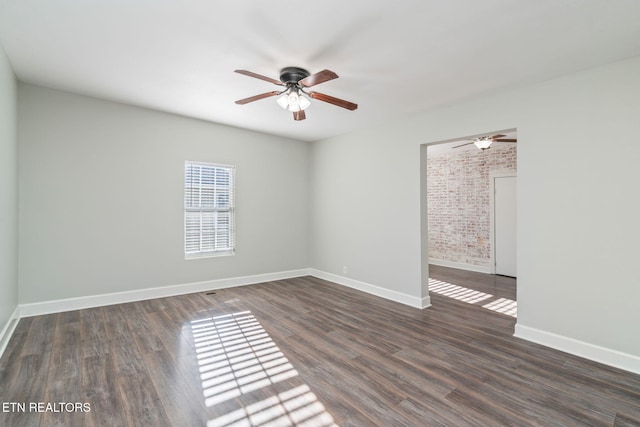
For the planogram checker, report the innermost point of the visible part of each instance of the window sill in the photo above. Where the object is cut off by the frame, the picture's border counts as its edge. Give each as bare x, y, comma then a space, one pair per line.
217, 254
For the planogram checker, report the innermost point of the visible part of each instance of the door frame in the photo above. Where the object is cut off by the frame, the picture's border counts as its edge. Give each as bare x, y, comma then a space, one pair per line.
492, 213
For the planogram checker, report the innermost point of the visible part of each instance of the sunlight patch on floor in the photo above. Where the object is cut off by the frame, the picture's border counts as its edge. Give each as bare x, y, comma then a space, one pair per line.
471, 296
237, 357
457, 292
504, 306
295, 407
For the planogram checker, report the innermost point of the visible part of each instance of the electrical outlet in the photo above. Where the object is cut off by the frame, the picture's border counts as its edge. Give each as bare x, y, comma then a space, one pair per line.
345, 270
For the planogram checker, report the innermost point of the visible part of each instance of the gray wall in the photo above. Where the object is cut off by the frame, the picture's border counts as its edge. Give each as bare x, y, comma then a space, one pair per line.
578, 207
101, 196
8, 192
365, 208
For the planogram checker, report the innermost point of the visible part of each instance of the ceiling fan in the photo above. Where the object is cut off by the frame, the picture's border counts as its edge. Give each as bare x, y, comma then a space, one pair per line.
484, 142
295, 80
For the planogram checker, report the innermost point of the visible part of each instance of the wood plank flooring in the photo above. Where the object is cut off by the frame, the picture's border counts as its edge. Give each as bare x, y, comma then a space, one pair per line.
305, 352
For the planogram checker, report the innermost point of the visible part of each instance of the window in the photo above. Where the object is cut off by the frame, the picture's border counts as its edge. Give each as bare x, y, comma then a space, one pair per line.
208, 210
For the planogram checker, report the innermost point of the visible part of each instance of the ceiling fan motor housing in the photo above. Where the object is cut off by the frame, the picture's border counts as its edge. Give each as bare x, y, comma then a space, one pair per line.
292, 75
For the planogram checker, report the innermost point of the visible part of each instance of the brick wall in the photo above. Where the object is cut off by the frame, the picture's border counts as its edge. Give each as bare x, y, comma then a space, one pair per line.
458, 186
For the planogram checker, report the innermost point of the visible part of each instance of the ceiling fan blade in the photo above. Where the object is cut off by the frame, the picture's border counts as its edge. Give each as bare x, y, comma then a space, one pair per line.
462, 145
335, 101
506, 140
257, 97
299, 115
496, 136
317, 78
260, 76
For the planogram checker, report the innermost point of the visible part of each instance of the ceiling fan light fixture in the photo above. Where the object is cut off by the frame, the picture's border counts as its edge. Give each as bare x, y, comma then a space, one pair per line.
483, 143
293, 100
304, 102
283, 100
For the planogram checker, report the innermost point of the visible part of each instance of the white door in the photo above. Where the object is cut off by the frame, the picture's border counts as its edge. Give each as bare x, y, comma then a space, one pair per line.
505, 225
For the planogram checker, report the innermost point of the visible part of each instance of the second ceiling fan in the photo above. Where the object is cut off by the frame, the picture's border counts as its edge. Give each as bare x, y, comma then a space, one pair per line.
484, 142
295, 80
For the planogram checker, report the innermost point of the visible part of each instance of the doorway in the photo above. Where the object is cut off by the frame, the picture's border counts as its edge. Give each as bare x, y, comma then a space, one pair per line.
467, 181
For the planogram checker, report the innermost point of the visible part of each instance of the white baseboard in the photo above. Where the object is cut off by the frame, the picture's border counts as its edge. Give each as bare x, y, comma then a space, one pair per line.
604, 355
68, 304
9, 328
373, 289
460, 265
78, 303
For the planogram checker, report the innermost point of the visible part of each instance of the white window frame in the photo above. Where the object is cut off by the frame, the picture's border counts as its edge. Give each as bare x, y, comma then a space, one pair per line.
219, 219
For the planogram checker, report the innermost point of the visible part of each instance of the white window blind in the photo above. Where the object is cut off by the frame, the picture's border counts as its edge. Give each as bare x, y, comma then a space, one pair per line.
208, 210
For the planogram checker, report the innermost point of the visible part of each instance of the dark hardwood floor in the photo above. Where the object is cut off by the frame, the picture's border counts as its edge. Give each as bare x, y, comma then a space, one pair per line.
304, 352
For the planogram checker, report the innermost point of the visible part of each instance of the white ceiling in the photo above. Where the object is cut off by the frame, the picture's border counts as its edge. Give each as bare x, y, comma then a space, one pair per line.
393, 57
